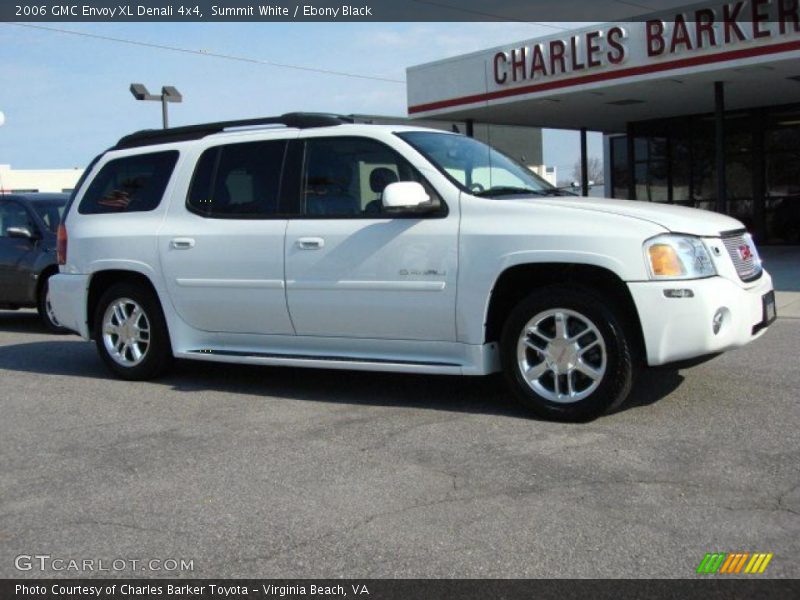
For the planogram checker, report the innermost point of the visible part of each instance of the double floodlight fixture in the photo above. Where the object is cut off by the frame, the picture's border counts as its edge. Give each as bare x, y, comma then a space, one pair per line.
168, 94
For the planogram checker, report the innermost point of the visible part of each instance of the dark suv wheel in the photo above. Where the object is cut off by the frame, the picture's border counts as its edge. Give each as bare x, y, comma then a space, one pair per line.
45, 309
566, 354
131, 333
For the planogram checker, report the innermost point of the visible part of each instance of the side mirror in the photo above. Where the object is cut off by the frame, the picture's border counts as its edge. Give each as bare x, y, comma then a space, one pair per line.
20, 232
405, 195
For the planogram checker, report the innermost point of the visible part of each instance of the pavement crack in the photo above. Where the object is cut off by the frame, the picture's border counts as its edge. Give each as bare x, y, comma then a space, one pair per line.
388, 438
782, 497
129, 526
748, 508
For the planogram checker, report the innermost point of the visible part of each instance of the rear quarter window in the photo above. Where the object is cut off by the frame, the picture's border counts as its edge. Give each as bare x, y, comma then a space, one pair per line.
129, 184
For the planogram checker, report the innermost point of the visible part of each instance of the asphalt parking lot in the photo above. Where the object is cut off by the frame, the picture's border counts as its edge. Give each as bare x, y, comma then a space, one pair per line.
298, 473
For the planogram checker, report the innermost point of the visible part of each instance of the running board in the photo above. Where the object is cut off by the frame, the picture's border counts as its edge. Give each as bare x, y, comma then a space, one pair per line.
323, 362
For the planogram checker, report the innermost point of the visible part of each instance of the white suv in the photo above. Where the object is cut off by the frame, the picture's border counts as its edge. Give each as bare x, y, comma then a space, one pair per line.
306, 240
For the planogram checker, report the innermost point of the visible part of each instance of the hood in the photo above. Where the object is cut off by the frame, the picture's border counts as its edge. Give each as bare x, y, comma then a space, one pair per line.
677, 219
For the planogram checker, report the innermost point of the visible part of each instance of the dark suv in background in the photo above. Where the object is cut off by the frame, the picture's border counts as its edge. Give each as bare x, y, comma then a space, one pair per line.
28, 226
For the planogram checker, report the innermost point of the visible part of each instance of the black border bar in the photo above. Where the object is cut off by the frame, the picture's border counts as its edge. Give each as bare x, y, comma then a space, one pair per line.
556, 14
707, 587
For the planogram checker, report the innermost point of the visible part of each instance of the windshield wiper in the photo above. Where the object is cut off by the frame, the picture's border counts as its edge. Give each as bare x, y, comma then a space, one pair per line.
503, 190
508, 190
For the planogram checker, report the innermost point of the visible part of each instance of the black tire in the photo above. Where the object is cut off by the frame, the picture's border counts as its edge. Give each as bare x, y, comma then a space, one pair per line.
610, 389
156, 357
48, 319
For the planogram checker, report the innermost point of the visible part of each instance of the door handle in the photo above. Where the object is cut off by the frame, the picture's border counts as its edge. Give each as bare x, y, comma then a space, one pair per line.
310, 243
182, 243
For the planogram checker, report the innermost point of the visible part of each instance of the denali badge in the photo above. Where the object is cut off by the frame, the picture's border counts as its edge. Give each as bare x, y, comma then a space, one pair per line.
406, 272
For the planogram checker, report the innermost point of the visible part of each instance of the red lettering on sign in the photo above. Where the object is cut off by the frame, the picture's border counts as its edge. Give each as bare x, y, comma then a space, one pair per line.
730, 13
704, 28
788, 13
759, 18
538, 66
617, 53
575, 47
500, 77
593, 48
655, 38
518, 64
557, 50
680, 35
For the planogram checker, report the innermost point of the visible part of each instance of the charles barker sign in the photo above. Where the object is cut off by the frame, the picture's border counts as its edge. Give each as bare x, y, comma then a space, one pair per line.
703, 32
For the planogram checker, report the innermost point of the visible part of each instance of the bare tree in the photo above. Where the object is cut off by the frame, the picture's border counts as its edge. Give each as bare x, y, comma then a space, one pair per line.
596, 170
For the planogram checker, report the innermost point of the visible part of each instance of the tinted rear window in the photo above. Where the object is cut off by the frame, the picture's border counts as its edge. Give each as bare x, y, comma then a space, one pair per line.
130, 184
238, 181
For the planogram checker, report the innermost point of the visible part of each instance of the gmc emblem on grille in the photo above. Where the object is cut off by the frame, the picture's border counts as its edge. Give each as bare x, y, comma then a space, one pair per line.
745, 253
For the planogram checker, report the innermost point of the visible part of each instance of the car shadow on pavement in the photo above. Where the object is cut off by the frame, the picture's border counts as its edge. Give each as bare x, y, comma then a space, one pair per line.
651, 386
21, 321
478, 395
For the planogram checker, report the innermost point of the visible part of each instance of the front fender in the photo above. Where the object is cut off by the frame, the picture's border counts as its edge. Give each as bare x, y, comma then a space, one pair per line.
475, 292
568, 257
498, 235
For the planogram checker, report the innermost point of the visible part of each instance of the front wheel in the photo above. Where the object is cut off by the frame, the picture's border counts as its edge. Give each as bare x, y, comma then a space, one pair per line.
566, 354
131, 333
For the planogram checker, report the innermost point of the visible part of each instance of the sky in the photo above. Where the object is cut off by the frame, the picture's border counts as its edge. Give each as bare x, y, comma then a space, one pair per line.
65, 97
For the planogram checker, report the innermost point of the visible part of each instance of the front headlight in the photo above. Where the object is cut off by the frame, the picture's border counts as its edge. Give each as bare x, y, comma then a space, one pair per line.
677, 257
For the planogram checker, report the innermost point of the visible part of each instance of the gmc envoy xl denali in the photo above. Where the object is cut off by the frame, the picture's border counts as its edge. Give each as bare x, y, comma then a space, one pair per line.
307, 240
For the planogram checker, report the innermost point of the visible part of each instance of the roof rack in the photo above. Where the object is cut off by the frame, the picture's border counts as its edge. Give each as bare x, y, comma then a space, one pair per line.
300, 120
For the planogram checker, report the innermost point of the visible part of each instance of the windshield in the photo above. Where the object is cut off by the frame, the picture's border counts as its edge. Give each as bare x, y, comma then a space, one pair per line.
50, 212
475, 167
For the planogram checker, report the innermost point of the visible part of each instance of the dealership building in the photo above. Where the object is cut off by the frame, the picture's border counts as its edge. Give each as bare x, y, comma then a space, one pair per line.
699, 106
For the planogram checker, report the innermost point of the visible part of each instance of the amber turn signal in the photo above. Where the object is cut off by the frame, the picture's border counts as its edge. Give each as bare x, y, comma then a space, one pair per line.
665, 261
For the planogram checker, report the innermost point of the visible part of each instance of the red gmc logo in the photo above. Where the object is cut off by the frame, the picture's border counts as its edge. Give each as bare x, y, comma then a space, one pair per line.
745, 252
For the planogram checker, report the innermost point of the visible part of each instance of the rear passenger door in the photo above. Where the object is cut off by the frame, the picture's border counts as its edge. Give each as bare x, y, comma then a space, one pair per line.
221, 244
355, 270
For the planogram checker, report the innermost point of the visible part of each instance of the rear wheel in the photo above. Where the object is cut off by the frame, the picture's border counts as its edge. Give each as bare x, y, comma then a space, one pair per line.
131, 333
45, 309
566, 354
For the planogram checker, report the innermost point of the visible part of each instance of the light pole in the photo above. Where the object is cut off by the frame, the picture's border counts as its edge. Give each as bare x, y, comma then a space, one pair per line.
168, 94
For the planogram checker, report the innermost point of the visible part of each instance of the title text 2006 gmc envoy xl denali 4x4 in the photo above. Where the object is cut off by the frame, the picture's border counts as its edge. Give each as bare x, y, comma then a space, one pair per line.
306, 240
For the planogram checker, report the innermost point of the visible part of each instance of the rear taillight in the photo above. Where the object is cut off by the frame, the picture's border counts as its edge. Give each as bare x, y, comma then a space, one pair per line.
61, 245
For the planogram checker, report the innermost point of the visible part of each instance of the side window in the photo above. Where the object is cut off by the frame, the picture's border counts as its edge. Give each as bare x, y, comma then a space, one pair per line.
238, 181
345, 177
130, 184
50, 214
13, 215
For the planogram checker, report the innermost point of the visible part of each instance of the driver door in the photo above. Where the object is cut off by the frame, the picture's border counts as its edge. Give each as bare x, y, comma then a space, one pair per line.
355, 270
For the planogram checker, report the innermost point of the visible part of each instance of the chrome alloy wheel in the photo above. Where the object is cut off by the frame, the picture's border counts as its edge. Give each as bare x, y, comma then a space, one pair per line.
48, 307
561, 355
126, 332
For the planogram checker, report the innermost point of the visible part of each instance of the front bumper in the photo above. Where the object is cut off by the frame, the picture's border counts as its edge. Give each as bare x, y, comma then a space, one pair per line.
681, 328
68, 296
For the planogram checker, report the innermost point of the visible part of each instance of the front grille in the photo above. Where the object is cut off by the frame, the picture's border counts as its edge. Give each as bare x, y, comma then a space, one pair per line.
744, 255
